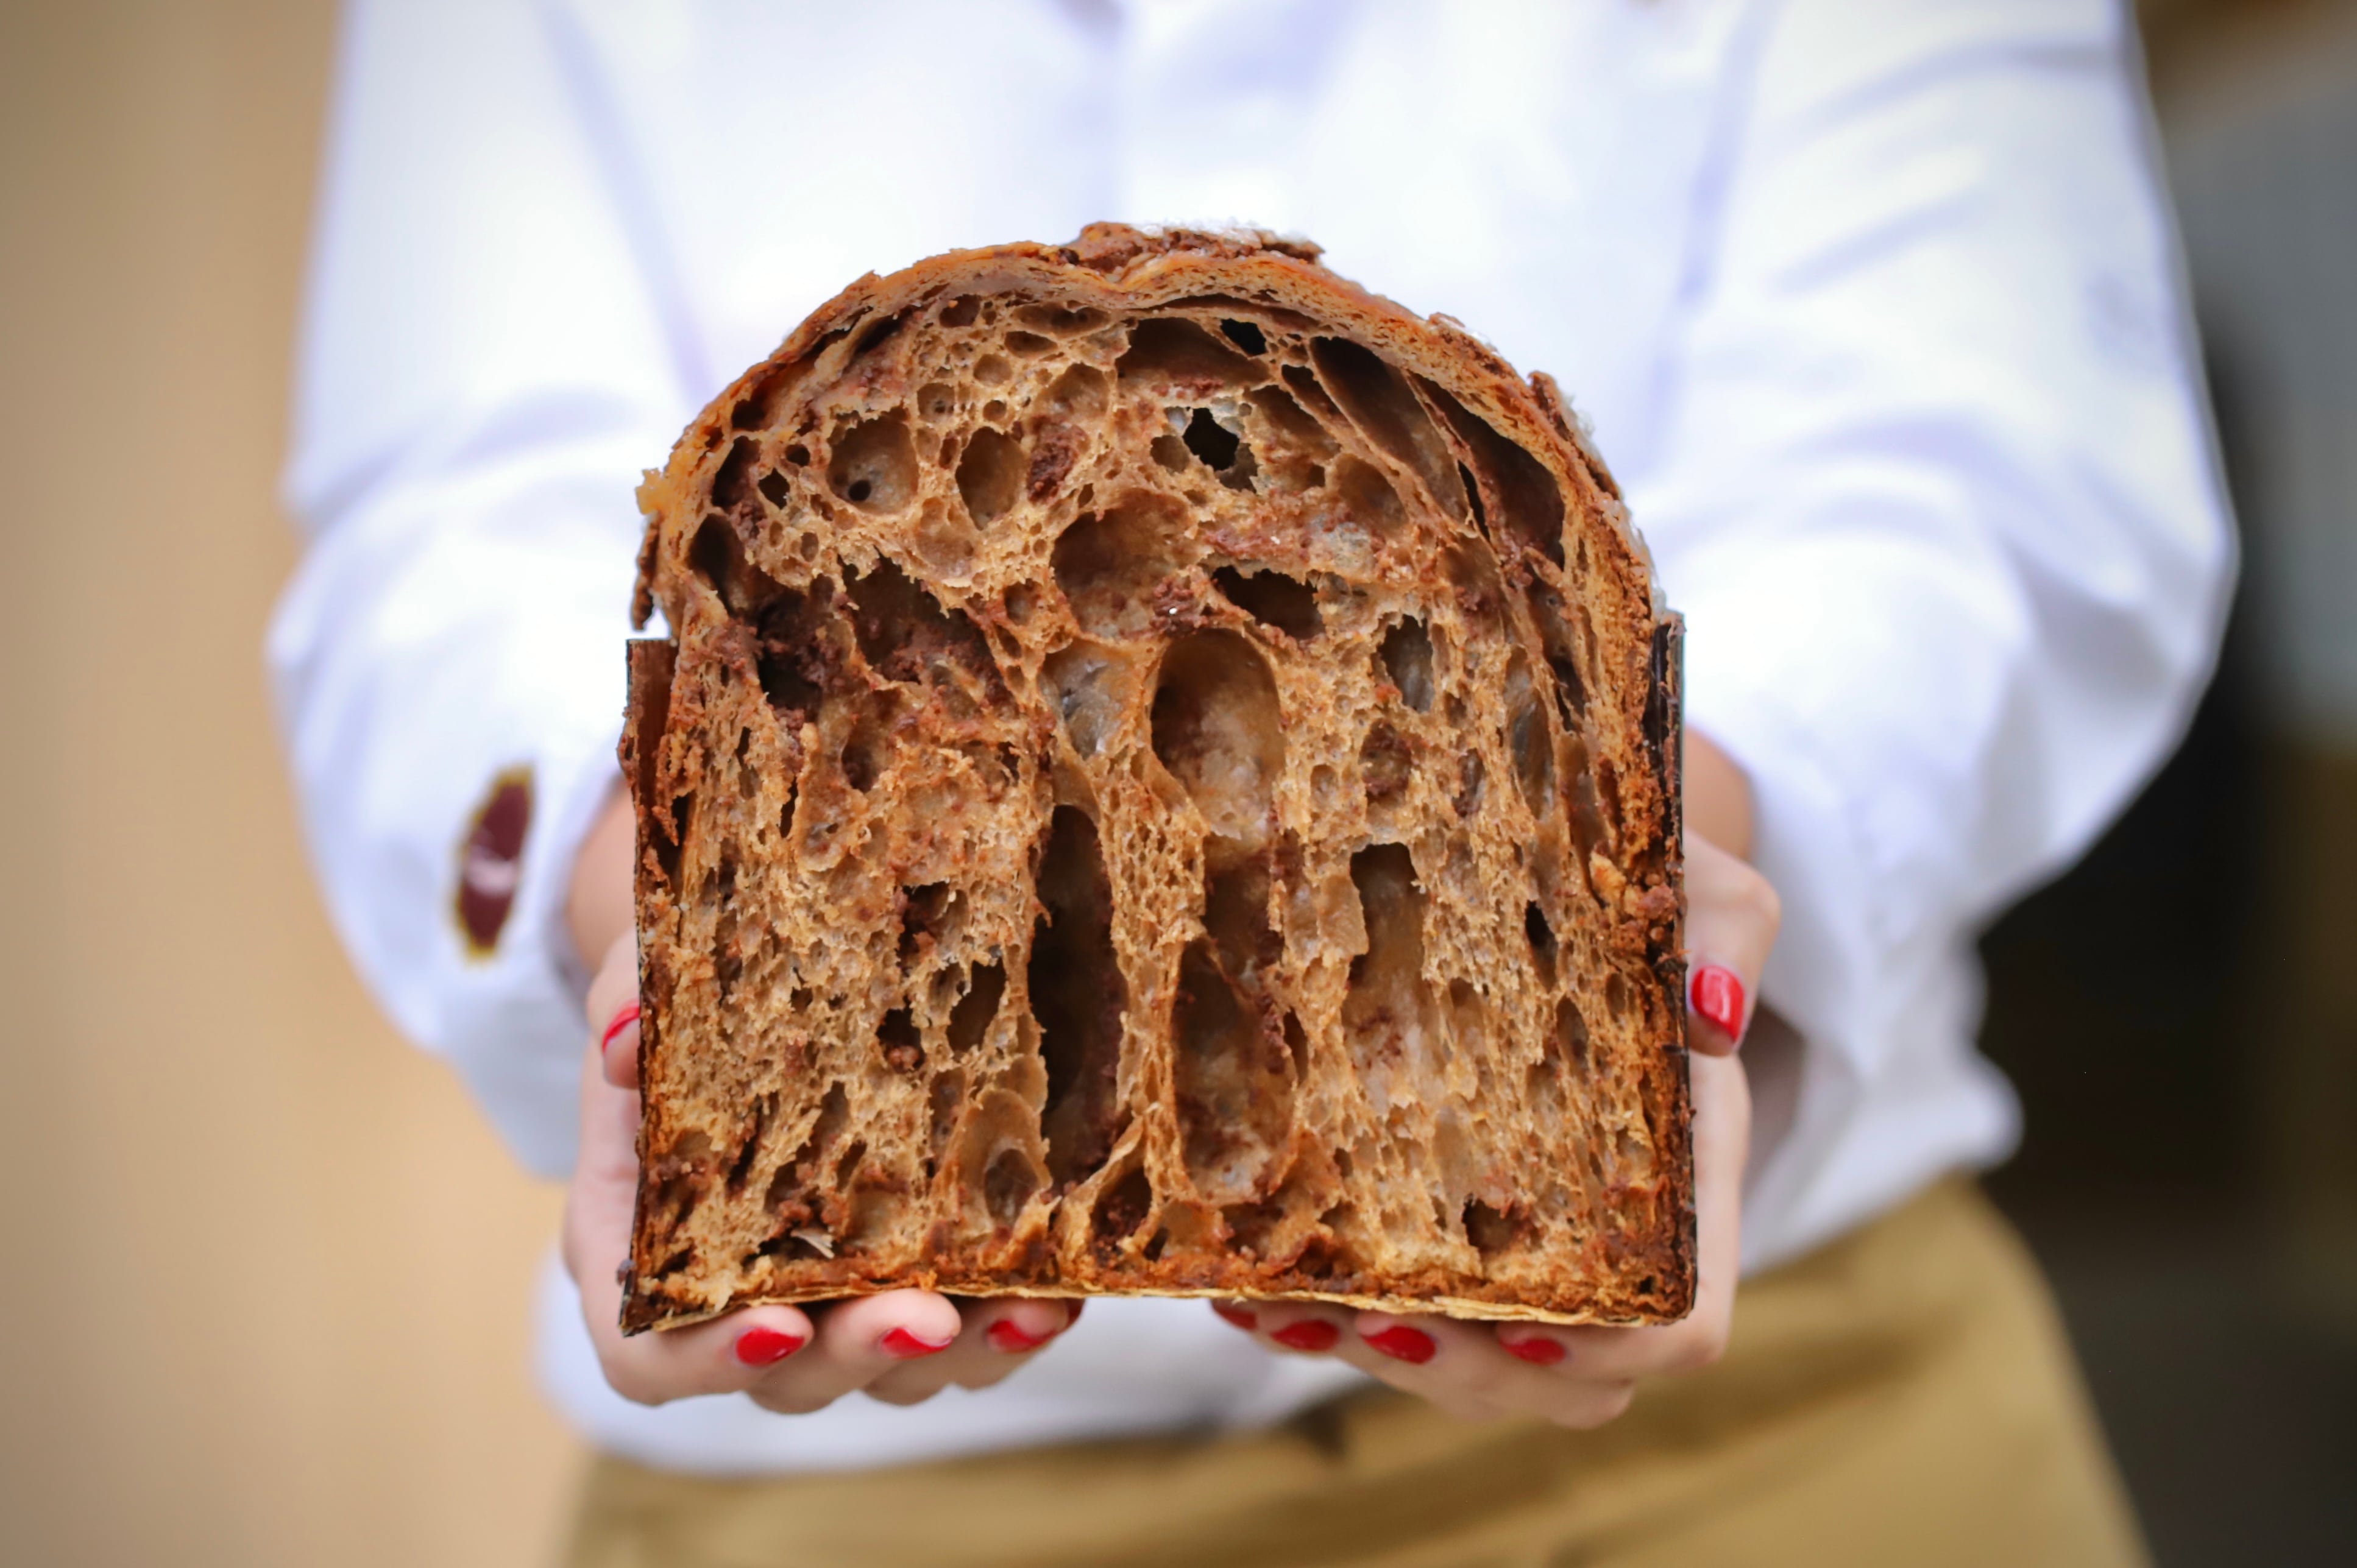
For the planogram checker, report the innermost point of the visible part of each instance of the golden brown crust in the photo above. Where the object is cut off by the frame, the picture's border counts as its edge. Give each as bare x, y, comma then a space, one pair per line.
1163, 781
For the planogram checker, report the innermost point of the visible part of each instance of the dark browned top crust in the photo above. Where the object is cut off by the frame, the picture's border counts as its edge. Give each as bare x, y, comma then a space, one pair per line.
1163, 781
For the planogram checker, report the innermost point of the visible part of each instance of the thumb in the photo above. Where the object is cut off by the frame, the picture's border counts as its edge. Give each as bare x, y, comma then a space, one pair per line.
1731, 919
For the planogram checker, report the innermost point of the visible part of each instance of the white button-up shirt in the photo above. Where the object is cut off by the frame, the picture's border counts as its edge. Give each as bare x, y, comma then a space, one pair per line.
1872, 303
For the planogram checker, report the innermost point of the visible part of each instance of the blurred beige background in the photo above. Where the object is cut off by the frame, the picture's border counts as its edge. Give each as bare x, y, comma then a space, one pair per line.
268, 1272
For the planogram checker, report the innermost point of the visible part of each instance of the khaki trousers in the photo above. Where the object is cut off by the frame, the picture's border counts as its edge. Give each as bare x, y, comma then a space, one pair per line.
1902, 1397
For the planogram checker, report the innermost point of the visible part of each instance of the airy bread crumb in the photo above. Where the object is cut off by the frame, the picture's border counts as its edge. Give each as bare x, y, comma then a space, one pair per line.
1164, 781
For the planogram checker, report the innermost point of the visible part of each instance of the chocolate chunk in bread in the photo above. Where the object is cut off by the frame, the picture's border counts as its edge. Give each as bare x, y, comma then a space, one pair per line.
1162, 780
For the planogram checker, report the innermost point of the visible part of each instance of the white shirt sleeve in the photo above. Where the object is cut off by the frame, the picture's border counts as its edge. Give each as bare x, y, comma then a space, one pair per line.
487, 366
1937, 495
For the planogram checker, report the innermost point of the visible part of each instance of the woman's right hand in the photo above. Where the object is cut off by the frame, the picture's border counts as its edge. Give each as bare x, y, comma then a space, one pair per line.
900, 1346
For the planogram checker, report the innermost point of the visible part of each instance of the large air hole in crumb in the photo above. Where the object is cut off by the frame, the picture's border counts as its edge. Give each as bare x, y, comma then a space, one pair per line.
1571, 1036
1028, 345
1587, 812
1490, 1231
1386, 409
1619, 998
876, 335
1209, 440
990, 474
970, 1019
731, 482
1388, 1013
1078, 995
759, 407
793, 1196
923, 913
1169, 453
1007, 1185
1527, 738
848, 1165
1122, 1208
798, 645
1543, 943
1080, 392
1368, 497
1556, 638
1088, 685
867, 750
993, 370
1472, 570
944, 544
1407, 660
671, 845
1110, 566
717, 555
748, 1146
1529, 500
1292, 423
904, 1050
961, 311
945, 1098
1216, 728
1304, 385
905, 634
1274, 599
1174, 352
1245, 335
1235, 1087
775, 489
874, 465
937, 400
1275, 1231
679, 1171
1472, 776
1236, 914
727, 953
1063, 320
1469, 1019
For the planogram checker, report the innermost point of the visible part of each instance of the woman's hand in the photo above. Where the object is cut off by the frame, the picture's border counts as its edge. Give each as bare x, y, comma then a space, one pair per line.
1584, 1376
901, 1346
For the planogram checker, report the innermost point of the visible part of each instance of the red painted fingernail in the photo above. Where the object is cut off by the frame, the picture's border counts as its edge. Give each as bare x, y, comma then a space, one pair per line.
1309, 1334
1538, 1353
1717, 995
622, 1020
1009, 1336
907, 1346
1402, 1343
767, 1347
1235, 1315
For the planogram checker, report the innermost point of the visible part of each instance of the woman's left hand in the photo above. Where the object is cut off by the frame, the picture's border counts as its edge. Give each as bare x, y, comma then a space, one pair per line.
1584, 1376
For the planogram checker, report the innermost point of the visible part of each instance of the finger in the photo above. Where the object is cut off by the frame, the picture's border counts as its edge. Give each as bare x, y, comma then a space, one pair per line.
728, 1355
617, 1047
1293, 1327
1732, 916
997, 1336
858, 1341
724, 1356
1722, 1135
612, 1008
1462, 1367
